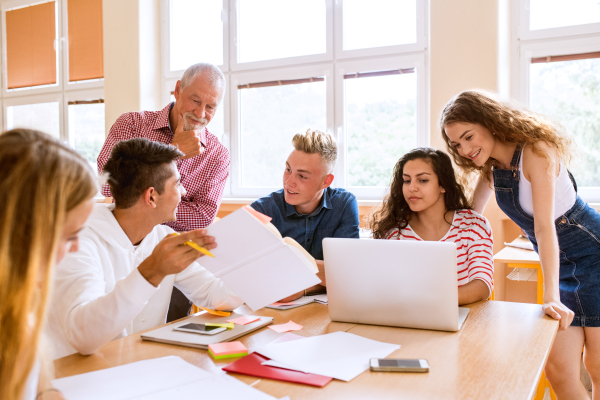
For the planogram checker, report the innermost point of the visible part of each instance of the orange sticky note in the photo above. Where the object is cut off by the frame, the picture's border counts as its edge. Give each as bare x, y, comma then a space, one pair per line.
290, 326
215, 312
243, 320
265, 219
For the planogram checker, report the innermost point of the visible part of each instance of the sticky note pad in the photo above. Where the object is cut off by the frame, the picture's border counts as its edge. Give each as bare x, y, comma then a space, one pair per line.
227, 350
228, 325
214, 312
244, 320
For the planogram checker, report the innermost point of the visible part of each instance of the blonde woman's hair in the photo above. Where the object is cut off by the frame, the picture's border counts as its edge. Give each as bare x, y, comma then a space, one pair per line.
314, 141
508, 121
41, 181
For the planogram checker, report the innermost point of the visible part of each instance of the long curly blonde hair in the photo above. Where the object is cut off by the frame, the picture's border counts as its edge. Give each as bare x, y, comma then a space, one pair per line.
41, 181
509, 122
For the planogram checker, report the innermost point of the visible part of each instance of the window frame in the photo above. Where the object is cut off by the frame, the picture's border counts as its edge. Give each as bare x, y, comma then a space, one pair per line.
328, 64
280, 62
419, 45
165, 17
525, 33
325, 70
63, 91
528, 44
406, 61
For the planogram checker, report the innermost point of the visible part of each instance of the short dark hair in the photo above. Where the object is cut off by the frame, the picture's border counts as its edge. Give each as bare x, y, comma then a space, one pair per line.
137, 164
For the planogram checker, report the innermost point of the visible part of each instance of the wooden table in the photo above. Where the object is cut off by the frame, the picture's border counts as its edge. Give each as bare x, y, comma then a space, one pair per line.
521, 258
499, 353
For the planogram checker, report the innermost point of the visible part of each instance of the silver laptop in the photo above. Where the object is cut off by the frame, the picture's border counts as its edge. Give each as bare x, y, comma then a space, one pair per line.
400, 283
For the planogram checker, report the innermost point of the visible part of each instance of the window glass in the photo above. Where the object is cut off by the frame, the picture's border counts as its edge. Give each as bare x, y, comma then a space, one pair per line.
87, 130
380, 115
382, 23
569, 93
270, 117
544, 14
196, 33
272, 29
42, 116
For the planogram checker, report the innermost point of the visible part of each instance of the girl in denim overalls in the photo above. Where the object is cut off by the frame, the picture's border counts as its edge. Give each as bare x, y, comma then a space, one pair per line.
523, 156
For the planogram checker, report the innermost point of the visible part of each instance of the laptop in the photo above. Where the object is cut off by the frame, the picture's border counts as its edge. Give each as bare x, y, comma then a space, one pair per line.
401, 283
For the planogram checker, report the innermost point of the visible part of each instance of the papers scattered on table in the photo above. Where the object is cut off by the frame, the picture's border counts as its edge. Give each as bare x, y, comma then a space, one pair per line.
290, 326
319, 298
244, 320
163, 378
524, 245
340, 355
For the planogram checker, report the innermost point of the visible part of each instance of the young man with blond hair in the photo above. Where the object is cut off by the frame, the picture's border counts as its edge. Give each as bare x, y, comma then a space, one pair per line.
307, 209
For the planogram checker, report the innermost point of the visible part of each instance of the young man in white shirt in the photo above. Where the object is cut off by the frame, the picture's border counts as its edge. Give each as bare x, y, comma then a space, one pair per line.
120, 281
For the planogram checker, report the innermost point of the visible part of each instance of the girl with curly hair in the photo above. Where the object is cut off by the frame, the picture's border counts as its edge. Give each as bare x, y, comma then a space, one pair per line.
522, 157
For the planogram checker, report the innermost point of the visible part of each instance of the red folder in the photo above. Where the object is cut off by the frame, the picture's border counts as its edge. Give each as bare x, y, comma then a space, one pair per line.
251, 365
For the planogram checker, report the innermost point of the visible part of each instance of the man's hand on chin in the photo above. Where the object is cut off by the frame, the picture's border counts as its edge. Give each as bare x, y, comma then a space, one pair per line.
187, 141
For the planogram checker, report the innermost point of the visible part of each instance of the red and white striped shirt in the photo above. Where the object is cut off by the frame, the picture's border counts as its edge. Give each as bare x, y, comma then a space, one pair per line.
472, 234
202, 176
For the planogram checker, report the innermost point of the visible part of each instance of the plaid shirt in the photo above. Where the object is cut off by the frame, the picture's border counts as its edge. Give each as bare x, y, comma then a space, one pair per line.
202, 176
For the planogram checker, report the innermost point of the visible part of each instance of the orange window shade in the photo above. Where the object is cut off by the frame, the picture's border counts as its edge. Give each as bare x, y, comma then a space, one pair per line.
30, 54
86, 51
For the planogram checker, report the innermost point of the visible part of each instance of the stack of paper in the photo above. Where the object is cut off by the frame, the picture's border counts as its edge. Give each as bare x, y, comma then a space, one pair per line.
319, 298
161, 378
339, 355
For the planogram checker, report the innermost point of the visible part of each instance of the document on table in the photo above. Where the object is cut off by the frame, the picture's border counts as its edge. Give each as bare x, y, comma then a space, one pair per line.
159, 378
524, 246
340, 355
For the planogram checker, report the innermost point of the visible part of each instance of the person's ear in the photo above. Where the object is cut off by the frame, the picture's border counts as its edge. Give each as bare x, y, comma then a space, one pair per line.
177, 91
328, 181
150, 197
443, 190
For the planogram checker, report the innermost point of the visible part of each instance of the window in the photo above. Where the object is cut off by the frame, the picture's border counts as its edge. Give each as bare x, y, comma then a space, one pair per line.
380, 115
356, 72
41, 116
272, 29
569, 92
557, 75
187, 46
271, 113
53, 58
86, 128
382, 23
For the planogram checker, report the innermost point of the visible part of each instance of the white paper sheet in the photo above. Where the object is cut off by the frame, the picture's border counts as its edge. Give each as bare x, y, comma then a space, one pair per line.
160, 378
340, 355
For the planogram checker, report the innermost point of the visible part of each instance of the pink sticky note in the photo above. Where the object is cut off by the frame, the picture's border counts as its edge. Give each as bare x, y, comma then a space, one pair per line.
220, 349
265, 219
243, 320
289, 303
290, 326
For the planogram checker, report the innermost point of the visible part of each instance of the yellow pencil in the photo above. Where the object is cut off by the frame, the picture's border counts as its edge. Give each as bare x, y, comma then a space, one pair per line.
196, 246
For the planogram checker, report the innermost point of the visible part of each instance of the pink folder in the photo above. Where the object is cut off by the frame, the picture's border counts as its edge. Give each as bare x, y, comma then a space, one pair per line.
251, 365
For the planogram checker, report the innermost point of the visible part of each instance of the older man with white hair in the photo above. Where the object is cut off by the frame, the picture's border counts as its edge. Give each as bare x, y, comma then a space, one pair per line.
205, 166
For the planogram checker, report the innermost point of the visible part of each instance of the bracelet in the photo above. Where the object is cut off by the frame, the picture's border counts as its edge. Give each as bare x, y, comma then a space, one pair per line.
46, 391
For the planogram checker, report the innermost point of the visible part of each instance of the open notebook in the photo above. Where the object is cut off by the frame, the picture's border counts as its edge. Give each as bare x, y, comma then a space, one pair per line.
256, 262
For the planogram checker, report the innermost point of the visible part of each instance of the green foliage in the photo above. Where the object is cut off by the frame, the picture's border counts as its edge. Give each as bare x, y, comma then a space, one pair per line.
569, 92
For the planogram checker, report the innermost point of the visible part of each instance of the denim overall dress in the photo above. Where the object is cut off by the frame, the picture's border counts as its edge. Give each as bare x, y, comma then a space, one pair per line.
578, 232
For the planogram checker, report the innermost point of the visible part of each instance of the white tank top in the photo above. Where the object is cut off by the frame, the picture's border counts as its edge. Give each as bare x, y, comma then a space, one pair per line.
564, 195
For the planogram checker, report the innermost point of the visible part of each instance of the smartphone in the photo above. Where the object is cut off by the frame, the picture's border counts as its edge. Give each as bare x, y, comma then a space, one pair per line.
399, 365
200, 328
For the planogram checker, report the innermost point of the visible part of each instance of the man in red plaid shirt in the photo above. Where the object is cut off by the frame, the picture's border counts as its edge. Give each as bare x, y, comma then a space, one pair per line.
205, 166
